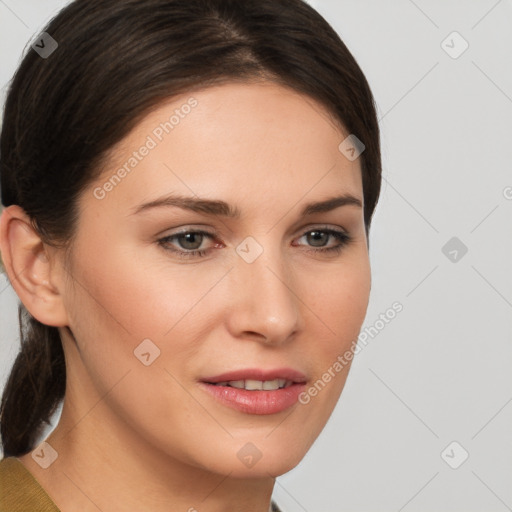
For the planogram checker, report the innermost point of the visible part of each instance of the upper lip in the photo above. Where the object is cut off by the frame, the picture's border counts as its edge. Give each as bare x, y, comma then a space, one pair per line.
258, 374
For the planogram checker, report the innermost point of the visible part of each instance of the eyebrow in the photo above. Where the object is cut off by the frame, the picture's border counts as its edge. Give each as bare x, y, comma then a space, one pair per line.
220, 208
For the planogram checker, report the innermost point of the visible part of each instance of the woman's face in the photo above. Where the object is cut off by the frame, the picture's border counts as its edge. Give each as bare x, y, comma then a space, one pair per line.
269, 297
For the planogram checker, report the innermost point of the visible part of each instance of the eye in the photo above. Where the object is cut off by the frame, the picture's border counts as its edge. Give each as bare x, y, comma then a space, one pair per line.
318, 239
189, 242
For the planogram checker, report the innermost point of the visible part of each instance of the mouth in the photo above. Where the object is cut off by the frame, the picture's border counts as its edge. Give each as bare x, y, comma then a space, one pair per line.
255, 385
255, 391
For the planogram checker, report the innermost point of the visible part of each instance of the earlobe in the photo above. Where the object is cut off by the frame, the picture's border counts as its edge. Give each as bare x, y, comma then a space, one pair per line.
31, 271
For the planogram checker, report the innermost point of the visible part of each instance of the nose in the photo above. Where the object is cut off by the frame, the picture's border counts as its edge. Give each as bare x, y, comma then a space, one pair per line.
265, 303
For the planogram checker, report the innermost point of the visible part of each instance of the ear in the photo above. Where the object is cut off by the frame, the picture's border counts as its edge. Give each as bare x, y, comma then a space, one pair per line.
32, 269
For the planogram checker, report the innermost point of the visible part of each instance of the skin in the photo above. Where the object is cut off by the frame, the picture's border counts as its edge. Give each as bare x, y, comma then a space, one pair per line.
136, 437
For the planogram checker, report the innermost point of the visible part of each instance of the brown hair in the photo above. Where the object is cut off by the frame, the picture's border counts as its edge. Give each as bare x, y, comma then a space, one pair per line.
116, 60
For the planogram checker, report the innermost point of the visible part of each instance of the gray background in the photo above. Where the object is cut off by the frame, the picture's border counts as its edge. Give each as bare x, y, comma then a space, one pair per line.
439, 372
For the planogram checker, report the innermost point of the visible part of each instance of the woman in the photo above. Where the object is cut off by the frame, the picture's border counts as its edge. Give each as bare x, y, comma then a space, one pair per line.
188, 189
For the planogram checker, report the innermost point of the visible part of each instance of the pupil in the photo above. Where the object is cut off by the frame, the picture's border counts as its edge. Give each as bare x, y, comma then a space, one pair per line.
317, 236
189, 239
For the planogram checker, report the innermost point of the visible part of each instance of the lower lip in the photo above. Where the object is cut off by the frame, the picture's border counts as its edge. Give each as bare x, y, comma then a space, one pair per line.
256, 402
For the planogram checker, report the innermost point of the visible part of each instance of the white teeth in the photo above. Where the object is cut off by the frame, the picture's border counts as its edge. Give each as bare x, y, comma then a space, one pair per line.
271, 384
253, 384
257, 385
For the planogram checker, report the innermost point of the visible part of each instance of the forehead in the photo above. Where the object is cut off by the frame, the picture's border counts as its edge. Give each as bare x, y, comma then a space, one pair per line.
253, 143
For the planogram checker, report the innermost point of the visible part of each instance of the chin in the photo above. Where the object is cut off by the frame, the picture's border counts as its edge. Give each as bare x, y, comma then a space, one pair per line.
273, 465
263, 457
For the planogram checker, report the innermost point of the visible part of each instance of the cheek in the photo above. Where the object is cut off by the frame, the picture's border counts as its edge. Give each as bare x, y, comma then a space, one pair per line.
118, 301
339, 307
140, 298
340, 300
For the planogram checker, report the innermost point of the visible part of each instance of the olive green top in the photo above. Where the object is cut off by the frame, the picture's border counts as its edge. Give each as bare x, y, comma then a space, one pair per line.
21, 492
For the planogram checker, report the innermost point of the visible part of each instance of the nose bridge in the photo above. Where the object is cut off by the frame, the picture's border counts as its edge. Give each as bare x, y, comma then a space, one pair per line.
266, 301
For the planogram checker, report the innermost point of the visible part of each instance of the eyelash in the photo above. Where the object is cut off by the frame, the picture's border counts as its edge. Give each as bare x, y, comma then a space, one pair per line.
342, 237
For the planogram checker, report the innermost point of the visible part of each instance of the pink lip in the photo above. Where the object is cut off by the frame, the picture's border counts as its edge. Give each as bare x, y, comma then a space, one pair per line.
257, 401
